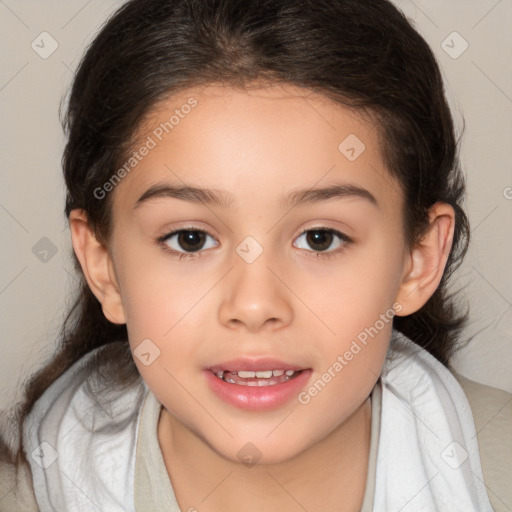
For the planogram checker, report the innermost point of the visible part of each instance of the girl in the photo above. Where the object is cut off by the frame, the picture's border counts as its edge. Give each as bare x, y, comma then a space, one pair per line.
265, 208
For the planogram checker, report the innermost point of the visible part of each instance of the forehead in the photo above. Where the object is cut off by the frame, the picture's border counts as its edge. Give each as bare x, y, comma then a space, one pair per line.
273, 138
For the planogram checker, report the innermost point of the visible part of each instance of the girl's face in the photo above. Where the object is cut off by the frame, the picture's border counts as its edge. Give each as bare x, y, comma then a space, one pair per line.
276, 233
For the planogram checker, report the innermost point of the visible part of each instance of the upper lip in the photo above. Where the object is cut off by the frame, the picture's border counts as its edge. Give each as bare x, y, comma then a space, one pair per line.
255, 364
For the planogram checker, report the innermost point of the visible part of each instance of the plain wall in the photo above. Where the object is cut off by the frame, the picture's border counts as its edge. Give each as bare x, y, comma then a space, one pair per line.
36, 287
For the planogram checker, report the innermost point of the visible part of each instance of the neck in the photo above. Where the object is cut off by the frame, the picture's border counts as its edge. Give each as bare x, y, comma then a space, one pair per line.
330, 473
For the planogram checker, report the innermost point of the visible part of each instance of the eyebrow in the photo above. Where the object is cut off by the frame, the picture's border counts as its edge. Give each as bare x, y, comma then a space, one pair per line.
224, 200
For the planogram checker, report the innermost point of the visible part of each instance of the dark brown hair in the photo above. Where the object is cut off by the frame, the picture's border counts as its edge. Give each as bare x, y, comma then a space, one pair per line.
361, 53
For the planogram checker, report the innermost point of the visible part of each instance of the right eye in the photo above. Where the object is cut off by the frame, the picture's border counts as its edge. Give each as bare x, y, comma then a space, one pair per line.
185, 241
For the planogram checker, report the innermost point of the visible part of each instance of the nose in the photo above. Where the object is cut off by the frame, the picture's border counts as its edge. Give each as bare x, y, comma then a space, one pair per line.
254, 298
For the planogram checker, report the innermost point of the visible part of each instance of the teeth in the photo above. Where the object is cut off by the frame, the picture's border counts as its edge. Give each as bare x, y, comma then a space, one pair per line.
265, 377
263, 374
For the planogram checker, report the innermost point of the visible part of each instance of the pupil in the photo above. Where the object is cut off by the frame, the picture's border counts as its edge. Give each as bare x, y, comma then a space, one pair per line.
321, 239
191, 240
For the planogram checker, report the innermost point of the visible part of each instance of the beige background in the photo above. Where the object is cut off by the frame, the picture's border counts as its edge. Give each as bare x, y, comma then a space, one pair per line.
34, 295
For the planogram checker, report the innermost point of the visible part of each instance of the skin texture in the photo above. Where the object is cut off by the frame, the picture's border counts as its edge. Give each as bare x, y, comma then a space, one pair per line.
293, 302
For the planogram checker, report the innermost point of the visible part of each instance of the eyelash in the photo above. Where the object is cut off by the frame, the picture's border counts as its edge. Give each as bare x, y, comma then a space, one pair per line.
345, 240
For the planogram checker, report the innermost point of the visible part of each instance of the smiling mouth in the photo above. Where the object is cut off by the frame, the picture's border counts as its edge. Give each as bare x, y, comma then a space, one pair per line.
257, 378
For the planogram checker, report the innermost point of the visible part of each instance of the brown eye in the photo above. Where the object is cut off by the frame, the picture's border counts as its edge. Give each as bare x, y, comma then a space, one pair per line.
189, 240
319, 240
322, 240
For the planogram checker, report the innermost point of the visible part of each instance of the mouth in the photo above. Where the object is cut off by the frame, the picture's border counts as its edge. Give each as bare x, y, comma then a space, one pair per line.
257, 384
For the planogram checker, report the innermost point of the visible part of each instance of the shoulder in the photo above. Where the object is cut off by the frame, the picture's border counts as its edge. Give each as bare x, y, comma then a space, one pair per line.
492, 413
84, 429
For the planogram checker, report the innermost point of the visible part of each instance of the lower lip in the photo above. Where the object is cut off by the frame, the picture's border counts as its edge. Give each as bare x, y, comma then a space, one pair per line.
256, 398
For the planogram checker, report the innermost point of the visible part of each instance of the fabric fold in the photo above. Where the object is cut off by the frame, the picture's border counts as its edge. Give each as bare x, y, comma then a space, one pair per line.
428, 458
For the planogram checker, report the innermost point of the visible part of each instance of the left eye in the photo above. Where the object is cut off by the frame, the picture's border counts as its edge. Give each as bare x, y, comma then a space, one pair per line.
321, 240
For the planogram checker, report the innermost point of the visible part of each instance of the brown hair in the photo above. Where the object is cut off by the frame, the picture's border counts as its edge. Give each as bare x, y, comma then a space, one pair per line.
361, 53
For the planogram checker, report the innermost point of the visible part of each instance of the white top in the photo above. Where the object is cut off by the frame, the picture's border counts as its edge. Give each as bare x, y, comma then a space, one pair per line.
84, 448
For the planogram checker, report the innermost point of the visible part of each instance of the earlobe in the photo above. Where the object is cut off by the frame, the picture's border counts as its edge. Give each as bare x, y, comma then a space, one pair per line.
97, 266
427, 260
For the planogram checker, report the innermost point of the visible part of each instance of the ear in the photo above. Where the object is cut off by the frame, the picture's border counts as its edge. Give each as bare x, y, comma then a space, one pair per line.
97, 266
426, 261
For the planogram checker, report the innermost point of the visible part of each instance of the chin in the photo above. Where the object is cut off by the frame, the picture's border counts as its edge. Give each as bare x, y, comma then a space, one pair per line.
260, 452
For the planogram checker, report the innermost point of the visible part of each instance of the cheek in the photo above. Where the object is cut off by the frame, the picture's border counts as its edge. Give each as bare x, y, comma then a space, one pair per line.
156, 294
354, 291
166, 360
161, 308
